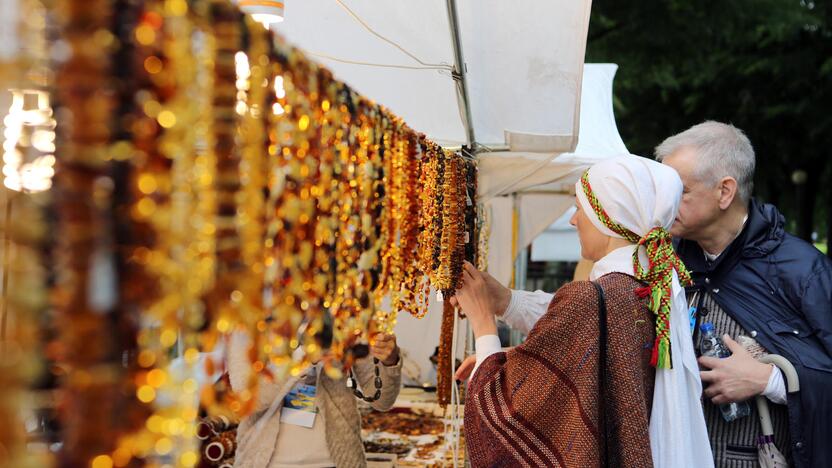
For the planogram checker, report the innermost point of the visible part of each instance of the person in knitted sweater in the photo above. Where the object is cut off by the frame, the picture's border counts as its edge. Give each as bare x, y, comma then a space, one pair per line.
312, 420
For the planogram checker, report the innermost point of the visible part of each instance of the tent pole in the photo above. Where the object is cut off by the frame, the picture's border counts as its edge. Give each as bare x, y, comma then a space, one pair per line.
521, 273
459, 75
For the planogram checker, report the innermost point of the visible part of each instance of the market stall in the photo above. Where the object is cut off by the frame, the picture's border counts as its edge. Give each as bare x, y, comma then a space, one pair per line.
185, 175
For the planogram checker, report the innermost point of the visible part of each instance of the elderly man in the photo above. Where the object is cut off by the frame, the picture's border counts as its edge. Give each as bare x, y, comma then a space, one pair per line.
751, 278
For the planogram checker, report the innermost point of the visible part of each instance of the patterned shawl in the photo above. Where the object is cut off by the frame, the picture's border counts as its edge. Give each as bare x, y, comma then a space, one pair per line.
537, 404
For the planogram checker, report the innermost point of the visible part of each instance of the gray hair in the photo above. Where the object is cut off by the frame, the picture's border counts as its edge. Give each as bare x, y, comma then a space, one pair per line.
722, 151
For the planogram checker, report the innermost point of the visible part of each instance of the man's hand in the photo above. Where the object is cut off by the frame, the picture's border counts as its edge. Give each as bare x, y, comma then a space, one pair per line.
735, 378
474, 299
385, 349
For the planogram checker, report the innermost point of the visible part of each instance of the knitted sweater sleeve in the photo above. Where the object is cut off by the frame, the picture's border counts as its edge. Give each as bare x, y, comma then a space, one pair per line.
391, 381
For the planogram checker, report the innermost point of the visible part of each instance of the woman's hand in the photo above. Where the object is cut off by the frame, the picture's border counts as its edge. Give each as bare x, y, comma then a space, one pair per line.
464, 370
385, 349
474, 299
499, 295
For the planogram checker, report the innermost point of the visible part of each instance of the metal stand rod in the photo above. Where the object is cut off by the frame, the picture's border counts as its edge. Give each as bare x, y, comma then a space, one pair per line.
459, 74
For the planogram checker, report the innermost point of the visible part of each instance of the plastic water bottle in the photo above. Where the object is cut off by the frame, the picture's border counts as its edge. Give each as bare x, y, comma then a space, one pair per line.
711, 346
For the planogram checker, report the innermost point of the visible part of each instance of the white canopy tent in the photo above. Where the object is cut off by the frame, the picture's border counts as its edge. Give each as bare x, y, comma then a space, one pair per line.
545, 195
523, 63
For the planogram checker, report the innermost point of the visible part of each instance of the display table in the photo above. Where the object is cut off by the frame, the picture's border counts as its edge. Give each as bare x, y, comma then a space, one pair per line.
415, 433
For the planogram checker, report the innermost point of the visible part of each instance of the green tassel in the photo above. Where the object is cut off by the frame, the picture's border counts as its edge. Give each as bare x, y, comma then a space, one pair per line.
655, 300
664, 361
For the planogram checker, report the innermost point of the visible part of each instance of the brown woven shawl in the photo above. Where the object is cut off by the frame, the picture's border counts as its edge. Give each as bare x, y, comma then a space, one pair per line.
537, 404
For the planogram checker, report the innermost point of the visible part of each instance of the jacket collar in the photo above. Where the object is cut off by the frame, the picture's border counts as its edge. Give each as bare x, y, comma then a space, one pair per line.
762, 234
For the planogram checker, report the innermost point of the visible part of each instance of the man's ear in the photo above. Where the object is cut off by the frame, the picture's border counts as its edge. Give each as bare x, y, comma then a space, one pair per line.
727, 192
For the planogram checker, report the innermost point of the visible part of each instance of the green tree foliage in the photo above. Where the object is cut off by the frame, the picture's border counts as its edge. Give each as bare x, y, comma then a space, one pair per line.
763, 65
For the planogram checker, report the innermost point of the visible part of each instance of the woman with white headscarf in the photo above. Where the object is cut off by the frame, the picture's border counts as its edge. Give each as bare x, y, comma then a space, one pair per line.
608, 375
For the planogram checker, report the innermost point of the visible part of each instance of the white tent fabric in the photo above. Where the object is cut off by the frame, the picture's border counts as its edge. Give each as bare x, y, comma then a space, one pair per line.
558, 243
548, 191
599, 139
524, 62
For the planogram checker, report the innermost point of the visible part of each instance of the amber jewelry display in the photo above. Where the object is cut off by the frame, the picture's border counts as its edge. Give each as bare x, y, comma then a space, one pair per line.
444, 379
96, 305
173, 203
224, 183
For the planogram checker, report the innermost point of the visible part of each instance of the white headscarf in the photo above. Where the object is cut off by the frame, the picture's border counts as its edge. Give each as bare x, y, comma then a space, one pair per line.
640, 194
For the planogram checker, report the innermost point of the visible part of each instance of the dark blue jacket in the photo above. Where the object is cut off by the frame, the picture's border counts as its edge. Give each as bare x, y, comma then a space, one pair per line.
779, 289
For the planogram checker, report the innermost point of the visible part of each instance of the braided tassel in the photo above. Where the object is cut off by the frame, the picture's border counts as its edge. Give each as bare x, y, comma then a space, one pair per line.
661, 353
661, 347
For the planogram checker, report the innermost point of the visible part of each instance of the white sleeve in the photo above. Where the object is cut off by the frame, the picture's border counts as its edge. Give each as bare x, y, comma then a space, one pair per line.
486, 345
776, 387
525, 308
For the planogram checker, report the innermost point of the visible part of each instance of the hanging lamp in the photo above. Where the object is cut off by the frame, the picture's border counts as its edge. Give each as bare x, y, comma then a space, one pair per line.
266, 12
